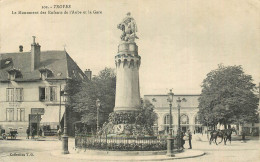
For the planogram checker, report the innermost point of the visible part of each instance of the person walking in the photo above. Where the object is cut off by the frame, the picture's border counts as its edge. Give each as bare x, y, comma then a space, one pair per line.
40, 132
59, 134
28, 133
189, 134
182, 139
33, 131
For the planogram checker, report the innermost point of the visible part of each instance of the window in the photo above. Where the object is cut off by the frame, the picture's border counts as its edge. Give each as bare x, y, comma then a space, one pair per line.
10, 94
48, 93
44, 75
167, 119
20, 114
14, 94
184, 119
42, 94
19, 94
53, 92
10, 114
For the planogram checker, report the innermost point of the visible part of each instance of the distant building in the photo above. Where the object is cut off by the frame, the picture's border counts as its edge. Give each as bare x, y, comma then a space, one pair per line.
32, 87
189, 115
188, 112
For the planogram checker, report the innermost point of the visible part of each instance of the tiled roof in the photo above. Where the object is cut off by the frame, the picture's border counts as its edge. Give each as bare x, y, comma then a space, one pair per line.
59, 62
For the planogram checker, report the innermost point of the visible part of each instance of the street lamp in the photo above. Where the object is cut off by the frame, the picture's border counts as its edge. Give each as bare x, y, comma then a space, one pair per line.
179, 100
61, 94
65, 136
170, 139
98, 105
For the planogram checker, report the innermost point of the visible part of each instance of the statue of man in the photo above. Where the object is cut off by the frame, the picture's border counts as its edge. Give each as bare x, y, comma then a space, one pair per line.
129, 28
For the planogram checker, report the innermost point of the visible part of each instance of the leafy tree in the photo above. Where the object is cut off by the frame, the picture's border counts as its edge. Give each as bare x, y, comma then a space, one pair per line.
146, 118
101, 87
228, 97
72, 87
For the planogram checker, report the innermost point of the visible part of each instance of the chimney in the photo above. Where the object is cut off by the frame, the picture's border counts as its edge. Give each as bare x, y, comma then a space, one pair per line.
35, 55
88, 73
20, 48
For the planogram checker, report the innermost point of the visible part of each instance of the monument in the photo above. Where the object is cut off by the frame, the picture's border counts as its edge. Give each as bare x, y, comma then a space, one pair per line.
129, 127
127, 116
127, 63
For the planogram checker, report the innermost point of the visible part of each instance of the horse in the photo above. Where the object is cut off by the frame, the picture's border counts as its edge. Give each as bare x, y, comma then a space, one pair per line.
227, 134
214, 135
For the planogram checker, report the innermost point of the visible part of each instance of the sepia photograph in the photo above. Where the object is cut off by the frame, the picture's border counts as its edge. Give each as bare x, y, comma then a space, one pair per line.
129, 80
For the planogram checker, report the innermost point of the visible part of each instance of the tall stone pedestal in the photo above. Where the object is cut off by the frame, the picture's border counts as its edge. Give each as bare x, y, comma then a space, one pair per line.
127, 78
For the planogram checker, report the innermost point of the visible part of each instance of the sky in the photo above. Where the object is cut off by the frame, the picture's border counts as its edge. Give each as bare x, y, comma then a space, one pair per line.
180, 41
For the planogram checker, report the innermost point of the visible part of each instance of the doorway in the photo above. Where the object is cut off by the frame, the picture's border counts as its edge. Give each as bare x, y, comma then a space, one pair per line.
34, 128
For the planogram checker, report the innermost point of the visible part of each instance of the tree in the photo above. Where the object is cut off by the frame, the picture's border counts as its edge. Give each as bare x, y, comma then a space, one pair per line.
101, 87
147, 114
140, 122
228, 97
72, 87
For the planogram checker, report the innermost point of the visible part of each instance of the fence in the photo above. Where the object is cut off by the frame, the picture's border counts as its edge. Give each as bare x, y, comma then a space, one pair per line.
118, 143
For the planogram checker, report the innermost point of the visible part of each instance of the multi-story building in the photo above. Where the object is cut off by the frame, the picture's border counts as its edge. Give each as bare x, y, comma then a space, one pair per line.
32, 87
188, 112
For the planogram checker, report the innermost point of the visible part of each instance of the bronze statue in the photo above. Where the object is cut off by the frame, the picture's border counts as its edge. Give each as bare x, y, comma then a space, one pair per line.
129, 28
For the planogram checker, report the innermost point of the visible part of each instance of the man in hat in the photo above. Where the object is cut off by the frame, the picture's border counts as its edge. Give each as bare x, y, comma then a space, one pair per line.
28, 132
190, 137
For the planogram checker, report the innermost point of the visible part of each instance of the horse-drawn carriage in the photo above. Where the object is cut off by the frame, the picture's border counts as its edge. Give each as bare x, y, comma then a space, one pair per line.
222, 134
12, 134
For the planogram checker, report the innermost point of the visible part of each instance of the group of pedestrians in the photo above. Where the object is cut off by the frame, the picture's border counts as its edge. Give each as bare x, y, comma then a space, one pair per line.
186, 136
33, 132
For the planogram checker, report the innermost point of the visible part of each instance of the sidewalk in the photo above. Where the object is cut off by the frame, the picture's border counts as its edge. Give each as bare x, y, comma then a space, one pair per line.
96, 155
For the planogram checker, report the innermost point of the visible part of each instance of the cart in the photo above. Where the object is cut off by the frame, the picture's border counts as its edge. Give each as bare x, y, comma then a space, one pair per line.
2, 133
12, 134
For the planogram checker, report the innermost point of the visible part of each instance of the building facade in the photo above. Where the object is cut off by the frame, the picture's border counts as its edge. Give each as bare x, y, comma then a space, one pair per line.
32, 88
188, 113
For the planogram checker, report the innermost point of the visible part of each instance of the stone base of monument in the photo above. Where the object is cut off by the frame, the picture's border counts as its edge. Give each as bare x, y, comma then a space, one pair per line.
126, 123
121, 134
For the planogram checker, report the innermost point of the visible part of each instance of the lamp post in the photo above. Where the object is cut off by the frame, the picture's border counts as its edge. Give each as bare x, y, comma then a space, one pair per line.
98, 105
170, 139
65, 136
179, 100
60, 108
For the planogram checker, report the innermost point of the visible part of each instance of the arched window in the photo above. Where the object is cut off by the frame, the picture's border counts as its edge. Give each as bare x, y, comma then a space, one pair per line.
197, 120
167, 119
156, 121
184, 119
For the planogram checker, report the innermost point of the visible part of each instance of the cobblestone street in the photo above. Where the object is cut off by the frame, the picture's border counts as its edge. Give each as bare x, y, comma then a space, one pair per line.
31, 150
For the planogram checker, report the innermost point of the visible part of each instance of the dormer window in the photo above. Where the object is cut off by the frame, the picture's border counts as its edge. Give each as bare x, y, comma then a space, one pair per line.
7, 62
14, 73
45, 73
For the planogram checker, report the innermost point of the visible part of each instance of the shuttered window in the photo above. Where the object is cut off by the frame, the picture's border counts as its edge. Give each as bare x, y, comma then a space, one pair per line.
10, 94
10, 114
18, 94
14, 94
20, 114
48, 93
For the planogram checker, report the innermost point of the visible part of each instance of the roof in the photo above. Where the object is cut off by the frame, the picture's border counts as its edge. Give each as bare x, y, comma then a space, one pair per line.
59, 62
160, 101
174, 95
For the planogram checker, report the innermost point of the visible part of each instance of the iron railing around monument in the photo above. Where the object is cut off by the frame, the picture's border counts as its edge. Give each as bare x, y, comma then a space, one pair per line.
119, 143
